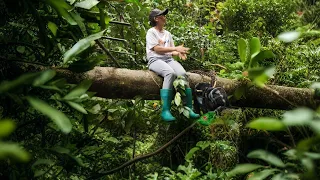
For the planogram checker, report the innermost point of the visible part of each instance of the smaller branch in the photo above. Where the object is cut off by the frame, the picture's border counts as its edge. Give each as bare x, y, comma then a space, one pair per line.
139, 158
107, 52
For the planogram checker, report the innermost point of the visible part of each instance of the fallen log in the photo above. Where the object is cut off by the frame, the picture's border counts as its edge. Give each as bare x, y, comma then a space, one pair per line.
121, 83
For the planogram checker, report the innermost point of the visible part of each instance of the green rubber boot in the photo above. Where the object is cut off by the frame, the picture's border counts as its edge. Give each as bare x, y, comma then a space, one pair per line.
192, 114
166, 98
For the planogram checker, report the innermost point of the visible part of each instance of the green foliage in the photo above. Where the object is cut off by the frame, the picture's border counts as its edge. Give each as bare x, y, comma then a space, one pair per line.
260, 17
296, 117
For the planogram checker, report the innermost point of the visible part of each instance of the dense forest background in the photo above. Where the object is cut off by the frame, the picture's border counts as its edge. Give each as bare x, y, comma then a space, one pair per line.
51, 128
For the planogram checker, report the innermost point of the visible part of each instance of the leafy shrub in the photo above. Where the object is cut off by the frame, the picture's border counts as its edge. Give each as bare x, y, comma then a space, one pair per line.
270, 16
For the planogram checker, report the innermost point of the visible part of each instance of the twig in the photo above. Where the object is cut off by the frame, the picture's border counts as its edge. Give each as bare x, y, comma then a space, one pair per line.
139, 158
108, 53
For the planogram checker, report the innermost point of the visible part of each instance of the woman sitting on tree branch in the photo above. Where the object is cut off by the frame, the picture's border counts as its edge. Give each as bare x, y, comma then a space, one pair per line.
160, 49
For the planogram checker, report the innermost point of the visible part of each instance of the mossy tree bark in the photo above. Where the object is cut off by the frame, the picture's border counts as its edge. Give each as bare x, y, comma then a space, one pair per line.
122, 83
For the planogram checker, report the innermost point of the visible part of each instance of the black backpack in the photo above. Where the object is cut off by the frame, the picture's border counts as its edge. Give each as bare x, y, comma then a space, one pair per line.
208, 98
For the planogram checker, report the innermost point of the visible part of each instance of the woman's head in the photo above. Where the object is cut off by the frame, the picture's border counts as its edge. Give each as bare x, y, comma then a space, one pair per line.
157, 17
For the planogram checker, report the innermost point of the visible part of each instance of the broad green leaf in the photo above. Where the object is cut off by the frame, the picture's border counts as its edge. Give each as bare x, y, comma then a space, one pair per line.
77, 107
21, 49
71, 1
242, 49
96, 109
266, 54
239, 92
61, 150
262, 174
7, 126
243, 169
44, 77
177, 99
79, 90
186, 113
278, 177
60, 83
13, 150
191, 153
50, 88
112, 110
39, 173
59, 118
266, 156
203, 144
260, 76
269, 124
53, 28
80, 22
86, 4
315, 126
42, 162
80, 46
63, 9
315, 85
312, 155
299, 116
289, 36
308, 143
22, 80
255, 47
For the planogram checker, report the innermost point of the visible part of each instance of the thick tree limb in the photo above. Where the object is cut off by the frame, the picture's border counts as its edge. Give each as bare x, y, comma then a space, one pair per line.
121, 83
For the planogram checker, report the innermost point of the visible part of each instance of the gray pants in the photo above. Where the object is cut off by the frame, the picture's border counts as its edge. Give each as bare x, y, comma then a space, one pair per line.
169, 69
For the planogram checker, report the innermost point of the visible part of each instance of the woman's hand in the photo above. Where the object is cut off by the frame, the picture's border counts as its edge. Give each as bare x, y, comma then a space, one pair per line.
182, 49
181, 55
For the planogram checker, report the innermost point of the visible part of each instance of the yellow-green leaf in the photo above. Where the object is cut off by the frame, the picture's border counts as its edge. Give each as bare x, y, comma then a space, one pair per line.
269, 124
242, 49
14, 151
6, 127
53, 28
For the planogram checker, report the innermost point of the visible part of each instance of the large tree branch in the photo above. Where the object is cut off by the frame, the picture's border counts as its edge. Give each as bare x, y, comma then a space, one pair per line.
121, 83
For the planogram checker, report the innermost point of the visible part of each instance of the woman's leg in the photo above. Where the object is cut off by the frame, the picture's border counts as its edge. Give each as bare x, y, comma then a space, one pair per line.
163, 69
179, 70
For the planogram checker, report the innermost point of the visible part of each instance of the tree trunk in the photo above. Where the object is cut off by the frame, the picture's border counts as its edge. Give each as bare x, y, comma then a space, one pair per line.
121, 83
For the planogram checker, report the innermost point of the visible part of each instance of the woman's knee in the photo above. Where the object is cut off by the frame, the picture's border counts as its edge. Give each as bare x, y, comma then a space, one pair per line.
171, 74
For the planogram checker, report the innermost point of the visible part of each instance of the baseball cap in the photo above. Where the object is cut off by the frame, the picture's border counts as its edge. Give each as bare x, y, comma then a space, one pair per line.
156, 12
